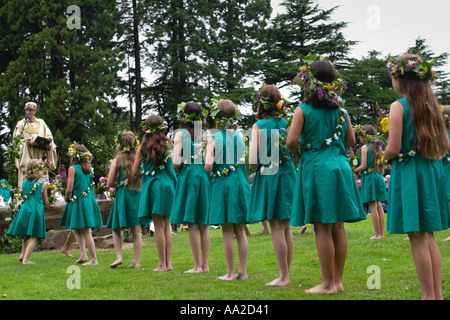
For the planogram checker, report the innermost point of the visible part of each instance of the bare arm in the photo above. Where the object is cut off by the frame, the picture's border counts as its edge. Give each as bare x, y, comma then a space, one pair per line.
137, 162
209, 160
177, 150
295, 131
112, 174
350, 138
363, 165
254, 143
70, 180
395, 131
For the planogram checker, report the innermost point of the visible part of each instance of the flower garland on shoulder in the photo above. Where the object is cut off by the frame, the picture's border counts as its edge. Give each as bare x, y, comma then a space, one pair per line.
324, 91
185, 118
220, 119
423, 69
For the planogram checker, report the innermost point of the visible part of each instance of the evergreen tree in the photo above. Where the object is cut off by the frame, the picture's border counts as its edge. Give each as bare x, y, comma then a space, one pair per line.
304, 28
71, 73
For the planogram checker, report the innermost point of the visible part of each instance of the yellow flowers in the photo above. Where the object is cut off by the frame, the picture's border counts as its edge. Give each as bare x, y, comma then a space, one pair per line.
385, 124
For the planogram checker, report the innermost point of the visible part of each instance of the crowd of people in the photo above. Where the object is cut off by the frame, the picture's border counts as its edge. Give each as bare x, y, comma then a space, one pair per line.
308, 181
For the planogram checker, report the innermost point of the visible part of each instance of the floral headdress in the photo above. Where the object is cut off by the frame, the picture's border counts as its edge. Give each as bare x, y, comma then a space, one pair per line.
183, 117
323, 90
81, 156
220, 119
421, 68
266, 104
36, 168
118, 139
154, 129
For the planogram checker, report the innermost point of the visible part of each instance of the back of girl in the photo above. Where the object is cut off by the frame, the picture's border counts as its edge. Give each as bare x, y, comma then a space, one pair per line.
124, 212
230, 187
29, 222
417, 196
271, 192
81, 213
194, 184
325, 192
158, 186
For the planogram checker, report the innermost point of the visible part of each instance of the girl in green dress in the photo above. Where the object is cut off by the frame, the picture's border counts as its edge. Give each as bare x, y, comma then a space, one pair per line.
446, 159
194, 184
271, 192
158, 186
373, 187
230, 191
325, 192
418, 202
124, 212
81, 213
29, 222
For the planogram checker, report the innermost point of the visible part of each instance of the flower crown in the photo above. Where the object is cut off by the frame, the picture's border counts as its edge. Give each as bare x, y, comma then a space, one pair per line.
324, 91
219, 118
117, 142
421, 68
81, 156
267, 105
190, 118
445, 116
154, 129
36, 168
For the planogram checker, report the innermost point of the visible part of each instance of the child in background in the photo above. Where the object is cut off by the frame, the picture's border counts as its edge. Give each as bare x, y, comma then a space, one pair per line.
271, 193
158, 186
373, 186
325, 192
81, 213
446, 160
417, 196
194, 184
29, 222
124, 212
230, 192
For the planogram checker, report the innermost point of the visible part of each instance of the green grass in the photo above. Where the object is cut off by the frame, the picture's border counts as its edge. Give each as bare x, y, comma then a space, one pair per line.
47, 279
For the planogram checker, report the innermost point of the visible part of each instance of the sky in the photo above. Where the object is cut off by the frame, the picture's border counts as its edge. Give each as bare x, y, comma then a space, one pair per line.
390, 26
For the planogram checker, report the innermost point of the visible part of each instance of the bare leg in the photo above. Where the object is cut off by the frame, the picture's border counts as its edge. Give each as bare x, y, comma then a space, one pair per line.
242, 243
30, 245
79, 236
340, 247
228, 247
194, 240
68, 244
91, 247
117, 240
163, 239
283, 247
375, 220
205, 240
137, 246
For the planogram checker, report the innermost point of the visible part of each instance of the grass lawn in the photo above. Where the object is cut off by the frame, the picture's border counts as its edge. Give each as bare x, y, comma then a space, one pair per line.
48, 278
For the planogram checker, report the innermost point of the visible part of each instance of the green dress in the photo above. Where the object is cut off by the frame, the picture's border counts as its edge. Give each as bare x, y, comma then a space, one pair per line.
82, 211
373, 187
158, 189
124, 212
446, 163
325, 189
230, 191
30, 220
193, 187
271, 190
417, 194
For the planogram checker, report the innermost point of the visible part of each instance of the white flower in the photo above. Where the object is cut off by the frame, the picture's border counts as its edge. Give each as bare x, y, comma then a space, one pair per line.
412, 153
328, 141
232, 168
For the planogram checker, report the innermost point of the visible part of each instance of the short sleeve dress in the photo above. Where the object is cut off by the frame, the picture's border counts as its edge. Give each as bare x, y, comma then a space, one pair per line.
325, 189
417, 194
373, 187
30, 220
158, 189
83, 211
193, 187
230, 191
124, 212
271, 190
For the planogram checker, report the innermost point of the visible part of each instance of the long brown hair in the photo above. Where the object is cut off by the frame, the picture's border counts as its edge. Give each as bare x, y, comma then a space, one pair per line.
154, 145
274, 95
228, 109
126, 160
376, 149
85, 164
425, 113
36, 174
190, 108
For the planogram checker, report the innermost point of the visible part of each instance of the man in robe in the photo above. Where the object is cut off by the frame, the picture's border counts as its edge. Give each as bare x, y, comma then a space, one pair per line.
30, 128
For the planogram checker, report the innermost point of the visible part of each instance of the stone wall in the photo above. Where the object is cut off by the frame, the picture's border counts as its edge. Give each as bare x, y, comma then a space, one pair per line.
56, 235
